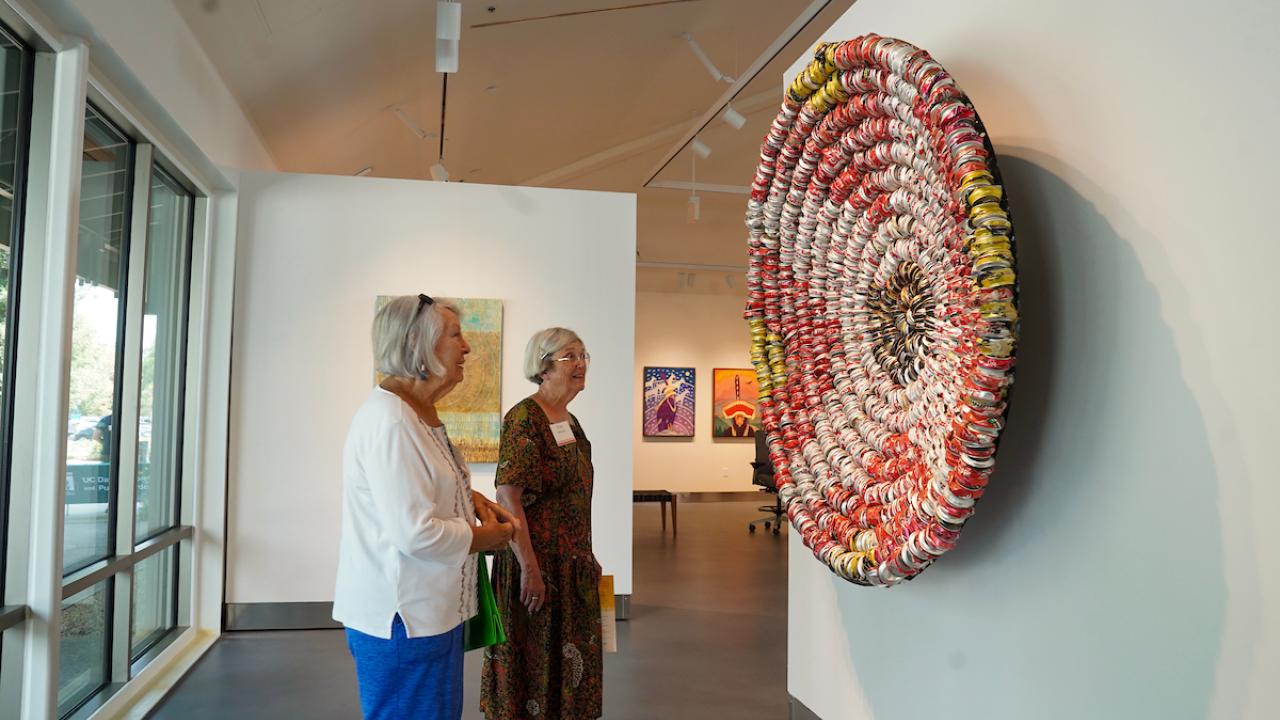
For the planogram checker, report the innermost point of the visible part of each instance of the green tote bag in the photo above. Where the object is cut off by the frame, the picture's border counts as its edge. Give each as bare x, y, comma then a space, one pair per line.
485, 628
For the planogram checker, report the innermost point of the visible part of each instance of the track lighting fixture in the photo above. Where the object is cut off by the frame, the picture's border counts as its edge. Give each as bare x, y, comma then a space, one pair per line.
733, 118
448, 33
706, 61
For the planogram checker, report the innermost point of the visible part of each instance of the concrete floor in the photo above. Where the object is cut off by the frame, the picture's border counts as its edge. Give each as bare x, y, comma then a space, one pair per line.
707, 638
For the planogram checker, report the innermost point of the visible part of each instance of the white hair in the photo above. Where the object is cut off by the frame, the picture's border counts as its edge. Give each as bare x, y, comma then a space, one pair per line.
404, 340
542, 349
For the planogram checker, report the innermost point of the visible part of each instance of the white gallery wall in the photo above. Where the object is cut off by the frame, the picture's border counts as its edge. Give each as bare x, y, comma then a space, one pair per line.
1125, 562
314, 251
702, 331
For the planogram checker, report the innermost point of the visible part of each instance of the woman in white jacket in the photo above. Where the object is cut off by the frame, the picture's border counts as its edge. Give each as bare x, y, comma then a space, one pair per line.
411, 524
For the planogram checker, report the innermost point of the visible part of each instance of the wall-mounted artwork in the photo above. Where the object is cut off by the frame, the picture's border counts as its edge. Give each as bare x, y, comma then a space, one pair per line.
883, 307
668, 402
472, 412
733, 403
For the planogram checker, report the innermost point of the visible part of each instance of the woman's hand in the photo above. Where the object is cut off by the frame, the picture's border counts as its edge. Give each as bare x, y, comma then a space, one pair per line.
533, 591
490, 534
486, 509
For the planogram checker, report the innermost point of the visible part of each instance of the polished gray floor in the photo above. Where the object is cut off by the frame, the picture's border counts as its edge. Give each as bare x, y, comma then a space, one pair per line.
707, 638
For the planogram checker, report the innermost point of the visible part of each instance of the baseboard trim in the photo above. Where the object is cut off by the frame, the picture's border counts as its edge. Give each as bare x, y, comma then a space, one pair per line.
722, 496
279, 616
800, 712
239, 617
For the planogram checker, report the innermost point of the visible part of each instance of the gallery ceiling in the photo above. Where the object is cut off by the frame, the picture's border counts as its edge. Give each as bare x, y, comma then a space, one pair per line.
586, 94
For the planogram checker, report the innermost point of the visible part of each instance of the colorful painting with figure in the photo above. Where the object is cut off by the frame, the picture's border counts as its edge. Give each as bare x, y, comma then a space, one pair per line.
472, 412
668, 402
733, 403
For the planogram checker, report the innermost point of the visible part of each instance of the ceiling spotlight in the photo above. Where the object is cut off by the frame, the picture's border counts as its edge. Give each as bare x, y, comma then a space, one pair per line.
364, 171
438, 173
706, 61
700, 148
448, 33
733, 118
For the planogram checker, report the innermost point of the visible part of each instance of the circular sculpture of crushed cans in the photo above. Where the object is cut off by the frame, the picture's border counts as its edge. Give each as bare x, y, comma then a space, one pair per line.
882, 307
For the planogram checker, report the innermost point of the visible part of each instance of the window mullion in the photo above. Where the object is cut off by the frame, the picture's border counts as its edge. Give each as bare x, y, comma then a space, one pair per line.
131, 380
131, 372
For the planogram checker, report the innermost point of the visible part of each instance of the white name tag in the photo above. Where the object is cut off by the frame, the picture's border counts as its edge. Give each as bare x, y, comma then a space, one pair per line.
563, 433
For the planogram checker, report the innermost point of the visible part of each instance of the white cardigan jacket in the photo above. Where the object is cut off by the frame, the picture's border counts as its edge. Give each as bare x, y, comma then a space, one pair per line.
406, 525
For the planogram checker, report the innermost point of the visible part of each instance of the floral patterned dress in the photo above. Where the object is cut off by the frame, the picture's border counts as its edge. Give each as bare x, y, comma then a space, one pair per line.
551, 665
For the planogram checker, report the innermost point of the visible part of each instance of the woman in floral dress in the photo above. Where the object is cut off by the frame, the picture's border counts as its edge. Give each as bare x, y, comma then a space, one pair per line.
547, 581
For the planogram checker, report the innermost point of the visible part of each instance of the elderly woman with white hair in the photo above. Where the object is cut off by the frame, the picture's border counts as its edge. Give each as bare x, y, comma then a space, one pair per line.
547, 581
411, 525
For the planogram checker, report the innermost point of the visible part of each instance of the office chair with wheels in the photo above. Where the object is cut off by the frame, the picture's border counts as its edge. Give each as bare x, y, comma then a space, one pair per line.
762, 475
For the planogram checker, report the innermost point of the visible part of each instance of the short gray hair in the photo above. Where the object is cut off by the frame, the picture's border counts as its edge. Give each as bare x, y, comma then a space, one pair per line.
538, 354
404, 340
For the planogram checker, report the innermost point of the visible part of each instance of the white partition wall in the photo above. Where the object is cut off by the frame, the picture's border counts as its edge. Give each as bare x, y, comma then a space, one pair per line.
1125, 562
314, 251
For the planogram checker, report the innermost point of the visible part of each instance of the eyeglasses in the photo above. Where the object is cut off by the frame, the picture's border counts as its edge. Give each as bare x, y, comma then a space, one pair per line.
423, 301
571, 358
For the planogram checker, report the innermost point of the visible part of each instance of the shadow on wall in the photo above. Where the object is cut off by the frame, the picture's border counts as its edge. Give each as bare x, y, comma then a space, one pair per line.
1089, 583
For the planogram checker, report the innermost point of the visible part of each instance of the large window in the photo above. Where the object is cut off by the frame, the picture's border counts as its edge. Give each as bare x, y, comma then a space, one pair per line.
93, 405
96, 343
154, 601
83, 651
101, 369
125, 414
15, 106
15, 109
163, 355
160, 404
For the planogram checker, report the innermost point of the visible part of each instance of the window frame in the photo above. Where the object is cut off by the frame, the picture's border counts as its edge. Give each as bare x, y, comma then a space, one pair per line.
122, 661
71, 70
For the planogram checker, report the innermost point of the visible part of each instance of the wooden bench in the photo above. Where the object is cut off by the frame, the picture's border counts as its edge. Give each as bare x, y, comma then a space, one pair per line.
659, 496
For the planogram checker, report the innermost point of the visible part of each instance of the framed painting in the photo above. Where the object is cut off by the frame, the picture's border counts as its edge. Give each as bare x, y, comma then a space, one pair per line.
734, 413
668, 402
472, 412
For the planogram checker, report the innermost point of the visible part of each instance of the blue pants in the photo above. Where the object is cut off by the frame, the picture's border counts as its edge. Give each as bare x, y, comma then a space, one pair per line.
403, 677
